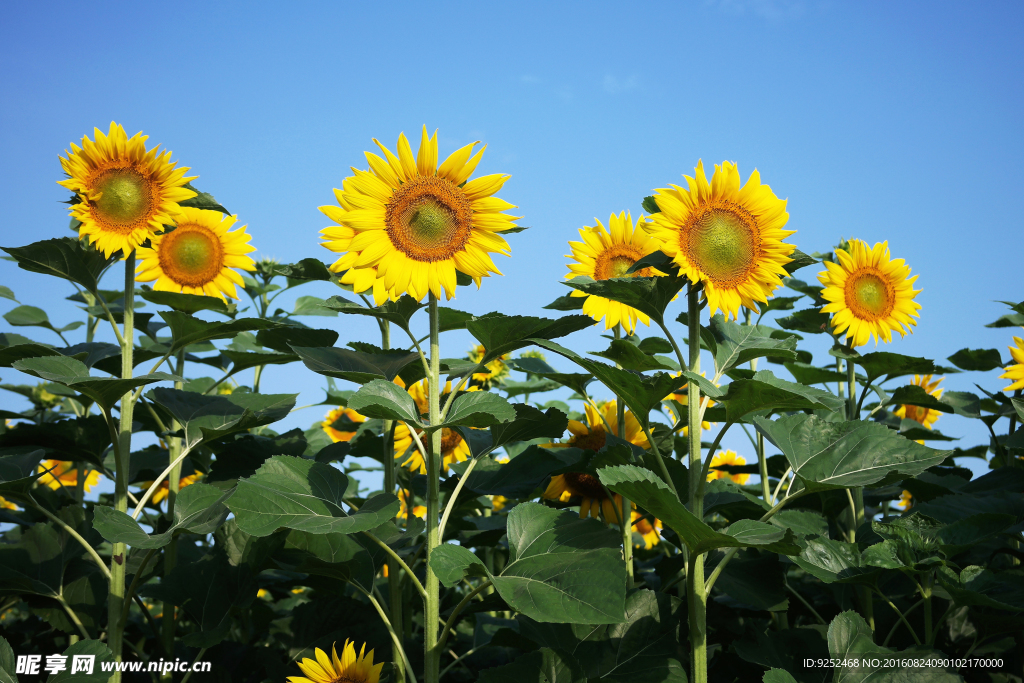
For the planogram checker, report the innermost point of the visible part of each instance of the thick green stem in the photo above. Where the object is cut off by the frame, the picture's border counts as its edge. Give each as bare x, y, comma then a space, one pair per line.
852, 413
171, 551
625, 513
696, 595
432, 653
122, 451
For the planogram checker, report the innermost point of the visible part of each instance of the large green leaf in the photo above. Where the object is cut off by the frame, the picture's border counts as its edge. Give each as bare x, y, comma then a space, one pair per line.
833, 561
530, 423
979, 360
35, 564
649, 295
766, 392
891, 365
98, 654
535, 366
186, 330
355, 366
985, 588
284, 338
73, 373
32, 316
923, 536
651, 493
478, 409
501, 334
540, 666
188, 303
832, 455
76, 439
739, 344
398, 312
386, 401
66, 258
18, 471
452, 563
11, 354
337, 556
198, 508
304, 495
205, 418
522, 475
851, 642
629, 356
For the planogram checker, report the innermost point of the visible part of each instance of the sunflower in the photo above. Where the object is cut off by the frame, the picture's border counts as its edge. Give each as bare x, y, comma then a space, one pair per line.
648, 531
6, 504
348, 669
1015, 372
348, 418
60, 474
595, 502
197, 257
453, 447
728, 237
925, 416
165, 486
125, 192
870, 294
592, 436
906, 501
683, 399
416, 222
498, 503
495, 371
604, 254
417, 510
727, 458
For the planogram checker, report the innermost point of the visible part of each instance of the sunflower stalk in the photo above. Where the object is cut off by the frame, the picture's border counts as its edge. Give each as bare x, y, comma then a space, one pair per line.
432, 610
627, 506
696, 594
173, 486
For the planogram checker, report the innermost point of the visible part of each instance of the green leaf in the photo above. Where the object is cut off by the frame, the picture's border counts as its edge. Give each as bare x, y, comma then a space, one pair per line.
284, 338
73, 373
836, 561
799, 260
8, 662
337, 556
631, 357
808, 321
66, 258
535, 366
649, 295
386, 401
206, 418
650, 205
203, 200
477, 409
6, 293
567, 302
767, 392
304, 495
530, 423
755, 580
739, 344
539, 666
778, 303
893, 365
198, 508
187, 330
831, 455
452, 563
35, 564
850, 639
451, 319
501, 334
985, 588
979, 360
11, 354
306, 269
1010, 320
355, 366
778, 676
914, 395
31, 316
398, 312
188, 303
99, 653
520, 476
561, 568
648, 491
313, 305
924, 536
805, 373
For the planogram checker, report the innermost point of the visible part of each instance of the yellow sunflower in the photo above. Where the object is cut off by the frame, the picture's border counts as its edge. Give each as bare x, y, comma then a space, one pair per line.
417, 510
416, 222
727, 458
348, 669
906, 501
165, 486
498, 503
6, 504
1015, 372
595, 502
495, 371
125, 192
453, 447
604, 254
197, 257
64, 474
648, 531
337, 414
592, 436
726, 236
869, 294
683, 398
925, 416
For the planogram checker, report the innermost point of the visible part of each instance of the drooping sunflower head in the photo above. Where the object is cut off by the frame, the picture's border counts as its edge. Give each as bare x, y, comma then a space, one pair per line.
607, 253
925, 416
1015, 371
727, 458
869, 294
341, 424
594, 501
453, 447
124, 192
349, 668
58, 474
416, 222
495, 371
647, 530
726, 236
198, 256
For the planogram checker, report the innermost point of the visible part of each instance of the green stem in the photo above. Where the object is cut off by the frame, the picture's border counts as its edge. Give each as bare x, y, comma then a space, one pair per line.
857, 497
193, 667
72, 533
765, 484
696, 594
455, 496
395, 640
135, 584
806, 604
627, 506
706, 466
458, 660
895, 626
390, 482
453, 617
431, 663
74, 617
171, 550
399, 561
899, 614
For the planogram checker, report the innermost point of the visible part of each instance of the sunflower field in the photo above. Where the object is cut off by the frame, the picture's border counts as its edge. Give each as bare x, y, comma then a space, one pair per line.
536, 513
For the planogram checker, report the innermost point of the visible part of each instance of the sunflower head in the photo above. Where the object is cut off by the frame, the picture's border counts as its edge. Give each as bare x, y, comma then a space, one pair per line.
403, 512
414, 225
1015, 371
58, 474
341, 424
594, 501
349, 668
607, 253
925, 416
727, 458
728, 237
453, 447
124, 193
495, 371
165, 486
197, 257
869, 294
601, 418
646, 530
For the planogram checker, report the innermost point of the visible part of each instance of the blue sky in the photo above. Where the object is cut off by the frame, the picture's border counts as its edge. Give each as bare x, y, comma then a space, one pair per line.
897, 121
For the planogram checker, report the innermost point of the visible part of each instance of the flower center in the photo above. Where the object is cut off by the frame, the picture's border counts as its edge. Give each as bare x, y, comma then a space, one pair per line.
616, 260
125, 197
450, 440
594, 441
869, 295
643, 527
191, 255
429, 219
585, 485
916, 413
722, 242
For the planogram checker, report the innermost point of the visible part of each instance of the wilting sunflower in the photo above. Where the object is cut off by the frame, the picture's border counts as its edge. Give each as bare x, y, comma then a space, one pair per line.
197, 257
453, 447
345, 418
727, 458
416, 222
684, 399
925, 416
125, 192
604, 254
726, 236
63, 474
495, 371
403, 512
648, 531
1015, 372
869, 294
348, 669
165, 486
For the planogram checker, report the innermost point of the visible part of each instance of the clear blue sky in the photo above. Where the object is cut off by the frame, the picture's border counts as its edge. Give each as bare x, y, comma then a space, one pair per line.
878, 120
